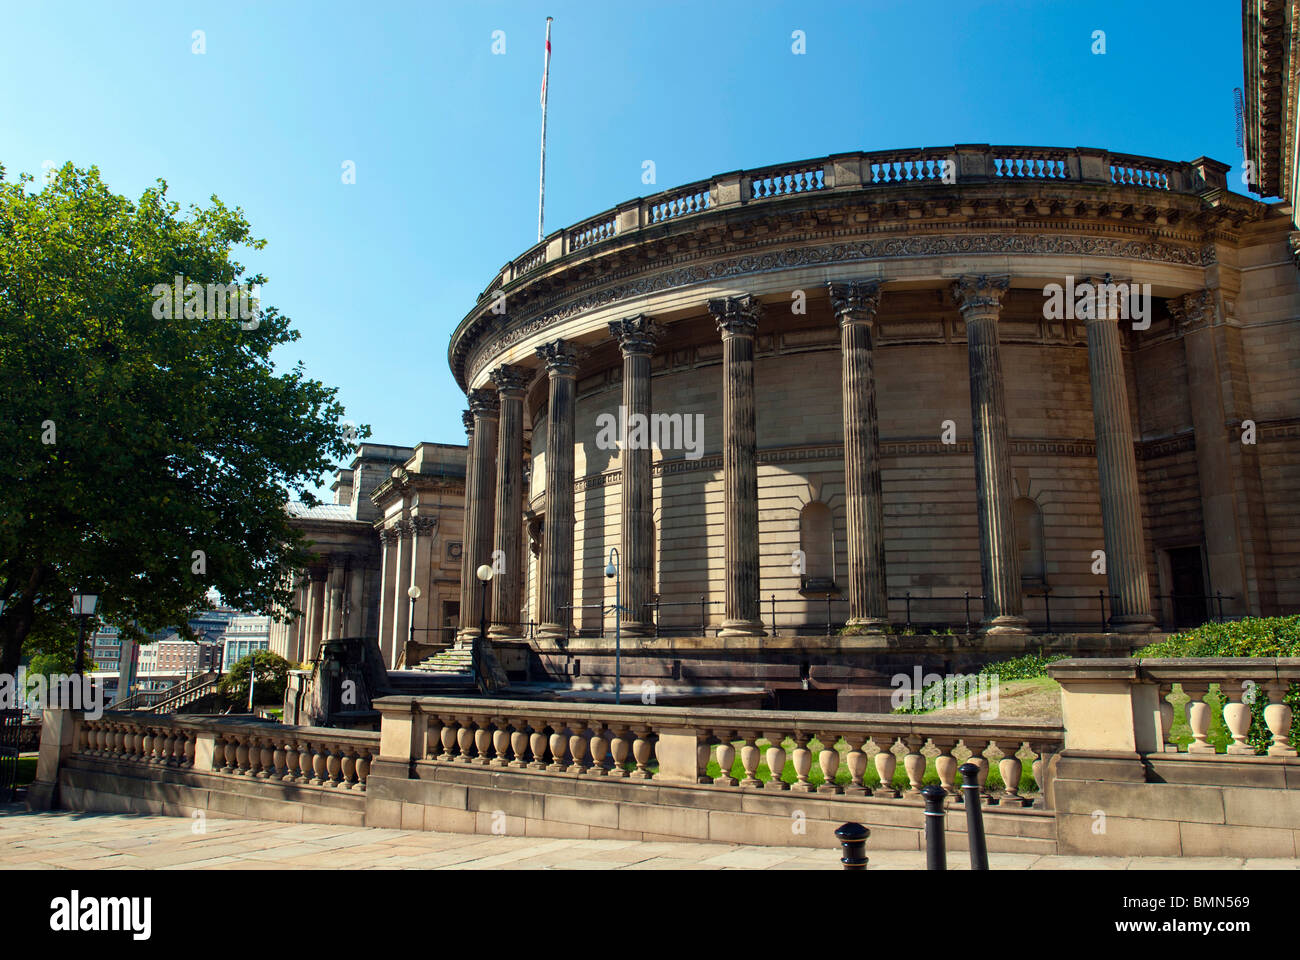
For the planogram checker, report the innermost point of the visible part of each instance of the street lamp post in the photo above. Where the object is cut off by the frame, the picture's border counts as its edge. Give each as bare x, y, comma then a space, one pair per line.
413, 591
612, 571
484, 573
84, 606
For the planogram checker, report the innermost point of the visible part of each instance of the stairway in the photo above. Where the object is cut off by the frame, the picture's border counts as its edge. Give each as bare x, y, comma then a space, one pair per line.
456, 661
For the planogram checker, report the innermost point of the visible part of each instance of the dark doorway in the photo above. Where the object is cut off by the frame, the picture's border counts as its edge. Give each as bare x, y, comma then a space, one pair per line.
1188, 579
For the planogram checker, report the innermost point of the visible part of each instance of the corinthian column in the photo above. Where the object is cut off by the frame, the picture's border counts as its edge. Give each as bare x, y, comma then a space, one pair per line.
737, 319
855, 307
555, 609
1121, 511
479, 504
980, 301
636, 337
510, 383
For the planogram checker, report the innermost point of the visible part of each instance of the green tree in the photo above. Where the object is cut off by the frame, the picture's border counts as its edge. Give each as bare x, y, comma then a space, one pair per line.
271, 672
149, 458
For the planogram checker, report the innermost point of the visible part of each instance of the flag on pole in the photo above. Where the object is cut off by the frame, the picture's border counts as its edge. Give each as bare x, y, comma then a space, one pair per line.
541, 187
546, 61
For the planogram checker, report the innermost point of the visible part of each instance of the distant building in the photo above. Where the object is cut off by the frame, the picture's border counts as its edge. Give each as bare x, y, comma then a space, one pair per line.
243, 635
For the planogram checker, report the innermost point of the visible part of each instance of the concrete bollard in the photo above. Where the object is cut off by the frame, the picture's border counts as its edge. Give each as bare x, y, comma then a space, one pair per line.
936, 858
853, 842
970, 788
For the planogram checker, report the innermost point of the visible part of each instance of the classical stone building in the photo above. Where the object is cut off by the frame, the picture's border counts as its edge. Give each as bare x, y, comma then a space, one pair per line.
901, 401
394, 529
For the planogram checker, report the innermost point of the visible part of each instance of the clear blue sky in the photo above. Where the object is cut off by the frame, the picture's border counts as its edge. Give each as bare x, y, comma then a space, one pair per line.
444, 133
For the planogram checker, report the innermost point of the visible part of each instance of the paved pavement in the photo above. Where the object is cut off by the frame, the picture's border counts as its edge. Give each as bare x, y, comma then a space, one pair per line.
91, 841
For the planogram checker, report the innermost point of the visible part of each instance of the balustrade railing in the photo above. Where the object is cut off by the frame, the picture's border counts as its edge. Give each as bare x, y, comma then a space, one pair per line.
856, 171
308, 756
625, 743
1232, 705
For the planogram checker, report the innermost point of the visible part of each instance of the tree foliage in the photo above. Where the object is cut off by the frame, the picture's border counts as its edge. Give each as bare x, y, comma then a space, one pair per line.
175, 442
271, 672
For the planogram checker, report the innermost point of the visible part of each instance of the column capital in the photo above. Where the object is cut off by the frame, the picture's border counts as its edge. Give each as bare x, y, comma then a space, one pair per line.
467, 418
1103, 303
736, 316
510, 381
1193, 310
483, 404
854, 301
979, 294
637, 335
561, 357
424, 524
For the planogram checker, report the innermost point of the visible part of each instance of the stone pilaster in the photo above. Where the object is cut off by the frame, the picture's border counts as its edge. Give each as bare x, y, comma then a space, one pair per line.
466, 554
855, 305
556, 598
636, 338
507, 584
403, 543
737, 319
480, 505
1121, 509
980, 300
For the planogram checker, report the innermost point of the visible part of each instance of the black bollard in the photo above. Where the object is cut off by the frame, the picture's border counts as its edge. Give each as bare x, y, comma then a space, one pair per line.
853, 841
970, 788
935, 856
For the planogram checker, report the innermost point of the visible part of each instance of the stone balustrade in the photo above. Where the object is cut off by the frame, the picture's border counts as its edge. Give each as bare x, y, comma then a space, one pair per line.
1125, 705
676, 745
964, 163
309, 756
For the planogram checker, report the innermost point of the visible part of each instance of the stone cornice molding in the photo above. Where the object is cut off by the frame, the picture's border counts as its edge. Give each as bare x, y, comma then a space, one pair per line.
854, 301
636, 336
548, 310
979, 296
736, 316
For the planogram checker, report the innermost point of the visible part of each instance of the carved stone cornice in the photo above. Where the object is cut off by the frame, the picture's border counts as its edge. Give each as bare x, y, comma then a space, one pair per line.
545, 309
511, 381
979, 295
484, 405
561, 358
736, 316
1193, 310
854, 301
637, 335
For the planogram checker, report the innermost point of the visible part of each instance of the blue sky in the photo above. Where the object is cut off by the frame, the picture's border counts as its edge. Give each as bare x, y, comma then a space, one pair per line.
444, 133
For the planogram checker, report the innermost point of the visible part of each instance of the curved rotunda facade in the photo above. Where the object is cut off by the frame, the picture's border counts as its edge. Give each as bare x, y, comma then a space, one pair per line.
891, 412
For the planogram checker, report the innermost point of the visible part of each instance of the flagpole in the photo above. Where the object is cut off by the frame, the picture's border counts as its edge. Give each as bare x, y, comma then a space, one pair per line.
541, 190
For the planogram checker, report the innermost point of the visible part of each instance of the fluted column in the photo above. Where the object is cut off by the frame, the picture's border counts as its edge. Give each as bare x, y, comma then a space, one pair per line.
334, 598
1121, 509
855, 305
555, 609
315, 614
403, 543
480, 504
466, 552
636, 338
506, 585
980, 301
737, 319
